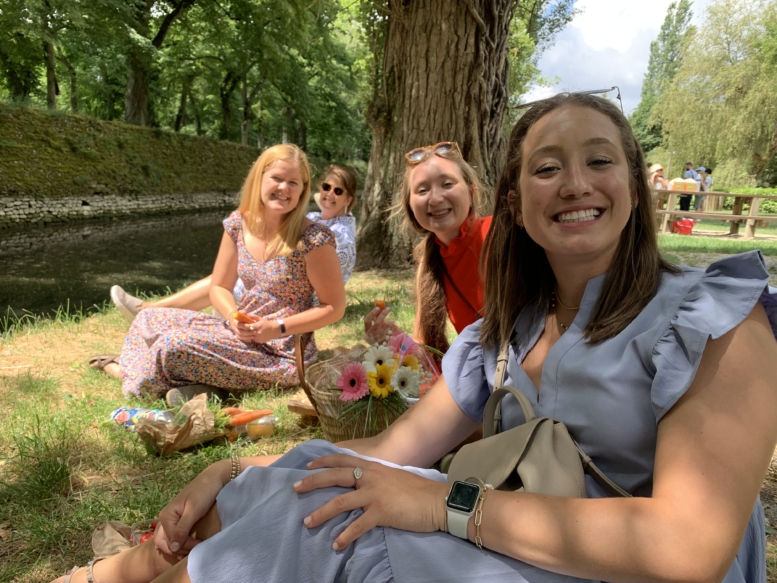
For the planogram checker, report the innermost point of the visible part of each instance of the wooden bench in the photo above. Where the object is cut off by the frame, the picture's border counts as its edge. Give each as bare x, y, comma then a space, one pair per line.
751, 220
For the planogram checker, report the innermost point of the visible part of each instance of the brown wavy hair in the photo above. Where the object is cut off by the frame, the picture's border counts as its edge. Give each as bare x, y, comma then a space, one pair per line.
433, 312
517, 272
347, 177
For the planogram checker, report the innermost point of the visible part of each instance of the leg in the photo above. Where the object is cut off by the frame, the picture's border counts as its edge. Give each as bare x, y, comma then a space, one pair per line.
145, 563
194, 297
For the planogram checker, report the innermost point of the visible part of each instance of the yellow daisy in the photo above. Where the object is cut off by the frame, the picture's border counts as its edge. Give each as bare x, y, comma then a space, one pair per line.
380, 381
411, 361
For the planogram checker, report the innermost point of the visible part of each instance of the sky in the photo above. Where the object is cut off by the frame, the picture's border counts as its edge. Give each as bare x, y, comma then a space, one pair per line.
607, 44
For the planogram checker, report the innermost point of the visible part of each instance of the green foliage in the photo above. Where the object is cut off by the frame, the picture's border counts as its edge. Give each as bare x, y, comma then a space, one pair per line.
75, 155
665, 54
721, 107
249, 71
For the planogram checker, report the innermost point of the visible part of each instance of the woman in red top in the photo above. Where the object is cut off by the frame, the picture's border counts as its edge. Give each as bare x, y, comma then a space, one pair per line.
438, 199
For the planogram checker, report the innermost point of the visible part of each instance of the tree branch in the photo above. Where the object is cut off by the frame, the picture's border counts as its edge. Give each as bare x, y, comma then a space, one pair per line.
178, 9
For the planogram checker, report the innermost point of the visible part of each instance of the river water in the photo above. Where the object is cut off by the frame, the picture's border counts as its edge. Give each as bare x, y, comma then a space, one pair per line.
75, 265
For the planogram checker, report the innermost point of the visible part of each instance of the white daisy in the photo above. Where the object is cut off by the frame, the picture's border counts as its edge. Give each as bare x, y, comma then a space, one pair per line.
377, 355
407, 382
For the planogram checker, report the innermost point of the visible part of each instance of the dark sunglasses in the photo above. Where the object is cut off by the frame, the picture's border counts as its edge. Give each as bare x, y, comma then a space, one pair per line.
326, 187
592, 92
443, 149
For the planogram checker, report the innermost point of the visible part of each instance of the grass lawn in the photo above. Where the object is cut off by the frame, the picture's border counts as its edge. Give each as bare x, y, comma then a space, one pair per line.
65, 467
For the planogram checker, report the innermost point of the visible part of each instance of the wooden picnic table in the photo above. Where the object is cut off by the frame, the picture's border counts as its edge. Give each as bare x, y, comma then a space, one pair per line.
666, 216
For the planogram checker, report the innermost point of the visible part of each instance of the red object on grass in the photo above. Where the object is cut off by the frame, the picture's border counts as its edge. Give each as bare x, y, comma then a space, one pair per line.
683, 227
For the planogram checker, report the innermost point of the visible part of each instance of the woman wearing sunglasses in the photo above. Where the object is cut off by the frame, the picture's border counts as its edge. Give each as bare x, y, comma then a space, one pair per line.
663, 374
439, 199
337, 191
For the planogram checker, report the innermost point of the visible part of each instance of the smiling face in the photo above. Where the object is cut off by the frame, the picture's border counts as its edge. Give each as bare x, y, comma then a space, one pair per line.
575, 187
440, 197
331, 204
282, 186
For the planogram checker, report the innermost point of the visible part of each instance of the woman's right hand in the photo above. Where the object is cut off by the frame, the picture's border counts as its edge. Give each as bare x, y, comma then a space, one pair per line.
375, 325
176, 520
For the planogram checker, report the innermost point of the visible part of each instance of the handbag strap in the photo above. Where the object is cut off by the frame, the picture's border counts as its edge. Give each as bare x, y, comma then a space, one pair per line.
493, 412
447, 276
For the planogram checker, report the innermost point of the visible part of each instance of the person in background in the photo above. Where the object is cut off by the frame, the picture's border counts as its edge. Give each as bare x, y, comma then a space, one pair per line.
656, 177
685, 199
438, 200
336, 197
285, 262
698, 200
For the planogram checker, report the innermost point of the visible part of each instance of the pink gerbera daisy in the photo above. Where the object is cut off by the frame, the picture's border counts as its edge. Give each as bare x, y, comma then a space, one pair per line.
403, 344
353, 382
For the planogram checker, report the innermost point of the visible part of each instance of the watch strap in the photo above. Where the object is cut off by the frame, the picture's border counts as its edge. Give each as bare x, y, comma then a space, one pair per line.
282, 326
457, 523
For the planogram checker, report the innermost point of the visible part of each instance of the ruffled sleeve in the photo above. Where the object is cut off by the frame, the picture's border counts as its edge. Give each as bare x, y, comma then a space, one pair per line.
345, 236
464, 371
315, 236
233, 226
719, 300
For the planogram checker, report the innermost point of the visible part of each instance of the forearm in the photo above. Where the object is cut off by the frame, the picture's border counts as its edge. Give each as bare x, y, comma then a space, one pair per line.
313, 319
222, 299
638, 539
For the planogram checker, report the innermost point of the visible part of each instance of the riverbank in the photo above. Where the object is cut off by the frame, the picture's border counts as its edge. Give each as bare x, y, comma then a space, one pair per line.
65, 467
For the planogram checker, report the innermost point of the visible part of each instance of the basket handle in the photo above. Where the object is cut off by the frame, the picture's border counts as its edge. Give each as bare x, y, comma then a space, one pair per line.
299, 356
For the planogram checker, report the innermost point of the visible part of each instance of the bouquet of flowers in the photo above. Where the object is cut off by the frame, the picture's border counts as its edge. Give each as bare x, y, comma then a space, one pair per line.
360, 393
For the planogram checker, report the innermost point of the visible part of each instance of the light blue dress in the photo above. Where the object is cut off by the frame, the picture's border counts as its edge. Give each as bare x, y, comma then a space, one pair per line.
611, 395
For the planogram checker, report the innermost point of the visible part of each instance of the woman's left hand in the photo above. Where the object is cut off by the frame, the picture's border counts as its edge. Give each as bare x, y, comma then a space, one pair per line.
388, 496
260, 331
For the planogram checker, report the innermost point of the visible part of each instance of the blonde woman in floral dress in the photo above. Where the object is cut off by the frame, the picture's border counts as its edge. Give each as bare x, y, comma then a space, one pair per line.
283, 259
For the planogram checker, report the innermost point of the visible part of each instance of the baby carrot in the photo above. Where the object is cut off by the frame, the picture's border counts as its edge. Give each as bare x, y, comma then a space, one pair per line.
233, 411
244, 318
248, 416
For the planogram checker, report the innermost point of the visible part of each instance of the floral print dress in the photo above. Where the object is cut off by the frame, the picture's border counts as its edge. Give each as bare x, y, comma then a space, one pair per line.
171, 348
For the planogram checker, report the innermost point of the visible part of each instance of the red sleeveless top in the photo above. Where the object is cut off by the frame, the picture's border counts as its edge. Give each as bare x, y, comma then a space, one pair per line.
464, 292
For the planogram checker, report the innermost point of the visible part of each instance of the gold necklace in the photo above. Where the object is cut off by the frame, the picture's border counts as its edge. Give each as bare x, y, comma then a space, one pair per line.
560, 303
555, 313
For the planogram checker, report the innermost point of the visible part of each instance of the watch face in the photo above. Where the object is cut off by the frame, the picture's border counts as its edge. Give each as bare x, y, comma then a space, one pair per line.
463, 496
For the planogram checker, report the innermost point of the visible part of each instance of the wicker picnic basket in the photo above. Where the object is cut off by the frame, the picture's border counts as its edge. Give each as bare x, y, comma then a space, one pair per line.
318, 382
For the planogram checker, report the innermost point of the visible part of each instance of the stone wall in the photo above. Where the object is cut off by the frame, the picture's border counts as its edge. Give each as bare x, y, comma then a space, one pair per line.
30, 211
23, 241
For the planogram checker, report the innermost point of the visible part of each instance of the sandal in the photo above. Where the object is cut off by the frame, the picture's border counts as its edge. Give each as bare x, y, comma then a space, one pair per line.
89, 575
102, 360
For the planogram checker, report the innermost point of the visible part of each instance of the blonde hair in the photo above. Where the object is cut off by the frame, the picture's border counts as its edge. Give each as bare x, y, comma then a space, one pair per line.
285, 241
433, 314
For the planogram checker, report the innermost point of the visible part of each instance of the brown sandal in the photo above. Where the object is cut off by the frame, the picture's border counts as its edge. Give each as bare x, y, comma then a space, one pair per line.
102, 360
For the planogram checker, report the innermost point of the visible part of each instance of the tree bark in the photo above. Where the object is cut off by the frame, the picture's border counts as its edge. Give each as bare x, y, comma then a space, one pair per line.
73, 80
181, 115
52, 90
226, 89
140, 61
443, 77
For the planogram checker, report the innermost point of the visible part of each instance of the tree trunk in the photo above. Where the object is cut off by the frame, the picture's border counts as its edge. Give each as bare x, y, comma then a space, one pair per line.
136, 97
73, 80
51, 76
181, 115
140, 61
443, 77
246, 111
226, 89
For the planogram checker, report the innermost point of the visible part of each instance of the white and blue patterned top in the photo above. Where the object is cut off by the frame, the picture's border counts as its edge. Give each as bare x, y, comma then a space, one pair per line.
344, 229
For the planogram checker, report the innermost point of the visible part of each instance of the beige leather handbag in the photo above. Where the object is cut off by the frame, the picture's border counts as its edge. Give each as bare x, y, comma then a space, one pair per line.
538, 456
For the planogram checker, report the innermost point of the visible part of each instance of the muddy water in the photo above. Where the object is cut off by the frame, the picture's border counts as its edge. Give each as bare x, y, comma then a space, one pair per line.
42, 269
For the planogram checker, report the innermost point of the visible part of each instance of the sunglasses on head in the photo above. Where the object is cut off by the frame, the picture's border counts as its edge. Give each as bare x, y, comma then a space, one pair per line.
443, 149
326, 187
592, 92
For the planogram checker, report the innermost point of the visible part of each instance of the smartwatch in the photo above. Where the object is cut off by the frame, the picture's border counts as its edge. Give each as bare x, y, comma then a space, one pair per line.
460, 504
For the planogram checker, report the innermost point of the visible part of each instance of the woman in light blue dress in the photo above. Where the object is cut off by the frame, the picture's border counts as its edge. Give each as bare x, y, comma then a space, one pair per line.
664, 375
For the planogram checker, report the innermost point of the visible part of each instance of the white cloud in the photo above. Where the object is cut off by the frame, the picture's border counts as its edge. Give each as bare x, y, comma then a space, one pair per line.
607, 44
